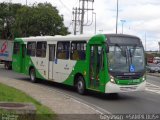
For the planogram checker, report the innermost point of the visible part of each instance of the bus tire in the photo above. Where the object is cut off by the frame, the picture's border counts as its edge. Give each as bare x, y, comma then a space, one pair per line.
7, 65
32, 74
81, 87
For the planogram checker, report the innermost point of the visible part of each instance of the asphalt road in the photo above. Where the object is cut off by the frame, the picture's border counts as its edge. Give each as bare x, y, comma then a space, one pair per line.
124, 103
154, 80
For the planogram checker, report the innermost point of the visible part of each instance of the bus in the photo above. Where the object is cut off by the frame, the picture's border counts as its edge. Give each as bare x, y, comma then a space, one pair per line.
107, 63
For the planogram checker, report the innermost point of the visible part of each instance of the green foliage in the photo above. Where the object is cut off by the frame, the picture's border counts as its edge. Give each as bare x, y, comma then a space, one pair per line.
7, 19
36, 20
9, 94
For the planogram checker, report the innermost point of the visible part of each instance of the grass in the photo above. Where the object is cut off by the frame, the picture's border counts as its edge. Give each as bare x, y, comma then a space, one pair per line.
9, 94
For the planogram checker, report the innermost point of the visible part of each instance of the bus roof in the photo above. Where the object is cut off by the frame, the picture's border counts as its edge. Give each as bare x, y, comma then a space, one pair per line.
121, 35
71, 37
56, 38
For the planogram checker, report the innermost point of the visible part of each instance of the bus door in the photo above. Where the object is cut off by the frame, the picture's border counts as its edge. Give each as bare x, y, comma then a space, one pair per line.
95, 65
51, 61
16, 57
23, 58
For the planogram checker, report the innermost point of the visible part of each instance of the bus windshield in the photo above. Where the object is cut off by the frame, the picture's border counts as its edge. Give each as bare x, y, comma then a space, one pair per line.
126, 59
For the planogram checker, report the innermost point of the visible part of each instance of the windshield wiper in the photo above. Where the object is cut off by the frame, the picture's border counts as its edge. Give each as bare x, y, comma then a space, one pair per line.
130, 55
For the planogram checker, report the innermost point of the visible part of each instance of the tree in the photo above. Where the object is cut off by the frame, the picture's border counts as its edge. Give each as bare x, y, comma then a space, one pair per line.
18, 20
7, 19
42, 19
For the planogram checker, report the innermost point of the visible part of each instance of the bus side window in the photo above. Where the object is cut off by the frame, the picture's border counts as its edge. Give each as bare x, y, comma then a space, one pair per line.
31, 48
78, 50
63, 50
41, 49
16, 49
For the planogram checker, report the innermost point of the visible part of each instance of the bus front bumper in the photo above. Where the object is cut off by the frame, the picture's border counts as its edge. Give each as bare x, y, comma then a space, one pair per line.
114, 88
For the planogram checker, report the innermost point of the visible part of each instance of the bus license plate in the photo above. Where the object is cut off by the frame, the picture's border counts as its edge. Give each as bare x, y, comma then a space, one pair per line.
136, 81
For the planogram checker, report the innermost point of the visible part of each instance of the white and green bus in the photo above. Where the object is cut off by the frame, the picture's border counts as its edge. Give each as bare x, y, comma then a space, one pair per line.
108, 63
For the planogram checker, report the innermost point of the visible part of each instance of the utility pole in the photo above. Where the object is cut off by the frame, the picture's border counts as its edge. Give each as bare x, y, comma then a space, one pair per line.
75, 20
123, 21
145, 42
159, 47
117, 18
95, 23
85, 6
82, 17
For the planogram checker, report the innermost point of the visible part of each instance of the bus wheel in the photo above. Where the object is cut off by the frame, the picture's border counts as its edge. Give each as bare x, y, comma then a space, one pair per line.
33, 75
80, 85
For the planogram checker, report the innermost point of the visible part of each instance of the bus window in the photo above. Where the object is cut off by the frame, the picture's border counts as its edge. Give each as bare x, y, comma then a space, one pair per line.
16, 49
78, 50
31, 48
41, 49
63, 50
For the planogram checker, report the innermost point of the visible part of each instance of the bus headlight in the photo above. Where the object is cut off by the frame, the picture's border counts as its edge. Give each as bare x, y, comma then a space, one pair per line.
112, 79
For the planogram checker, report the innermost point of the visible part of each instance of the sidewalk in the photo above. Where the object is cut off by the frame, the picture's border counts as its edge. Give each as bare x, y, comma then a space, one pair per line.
56, 101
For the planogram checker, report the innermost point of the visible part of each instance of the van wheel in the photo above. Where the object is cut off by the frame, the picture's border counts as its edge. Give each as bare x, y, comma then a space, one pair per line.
33, 75
7, 65
81, 85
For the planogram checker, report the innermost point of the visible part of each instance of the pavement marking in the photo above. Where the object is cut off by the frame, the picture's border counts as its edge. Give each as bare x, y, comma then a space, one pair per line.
152, 88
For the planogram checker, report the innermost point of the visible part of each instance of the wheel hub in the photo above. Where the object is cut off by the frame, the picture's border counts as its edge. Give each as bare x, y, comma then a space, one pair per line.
32, 76
80, 85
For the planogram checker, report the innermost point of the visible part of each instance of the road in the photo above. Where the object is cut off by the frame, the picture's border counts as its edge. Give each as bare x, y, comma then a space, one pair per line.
124, 103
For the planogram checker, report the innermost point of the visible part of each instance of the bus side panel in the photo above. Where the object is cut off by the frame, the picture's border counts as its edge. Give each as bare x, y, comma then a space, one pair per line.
80, 67
30, 64
16, 64
40, 65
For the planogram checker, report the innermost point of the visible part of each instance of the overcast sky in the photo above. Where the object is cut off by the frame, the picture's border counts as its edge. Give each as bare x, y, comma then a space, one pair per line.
141, 16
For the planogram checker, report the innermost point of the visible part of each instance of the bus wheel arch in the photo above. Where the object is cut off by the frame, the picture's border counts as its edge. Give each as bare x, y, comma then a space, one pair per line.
32, 74
79, 83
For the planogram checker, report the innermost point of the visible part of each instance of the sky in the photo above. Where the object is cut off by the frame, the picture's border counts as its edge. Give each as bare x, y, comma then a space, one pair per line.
142, 17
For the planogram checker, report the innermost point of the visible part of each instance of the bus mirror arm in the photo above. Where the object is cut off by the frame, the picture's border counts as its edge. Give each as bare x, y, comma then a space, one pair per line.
107, 49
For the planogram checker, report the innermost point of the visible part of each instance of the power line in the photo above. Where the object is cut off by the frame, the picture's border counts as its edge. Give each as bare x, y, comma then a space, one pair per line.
65, 6
69, 11
79, 14
76, 3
